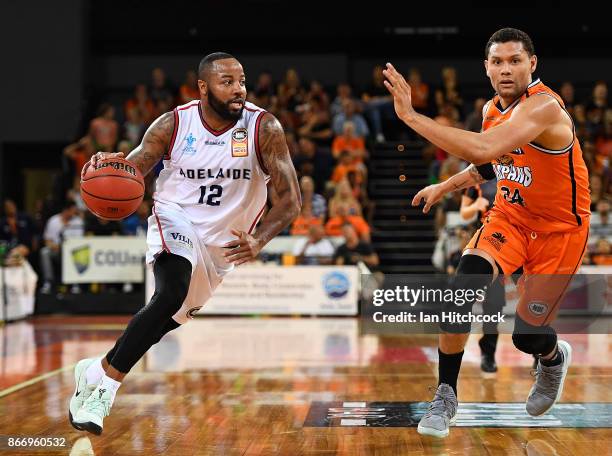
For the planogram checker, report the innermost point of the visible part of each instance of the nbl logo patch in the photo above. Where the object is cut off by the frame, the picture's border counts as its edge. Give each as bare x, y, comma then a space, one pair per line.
240, 142
537, 308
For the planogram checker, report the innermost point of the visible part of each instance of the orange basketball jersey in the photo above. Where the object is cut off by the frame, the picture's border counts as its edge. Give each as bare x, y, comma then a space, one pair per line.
541, 189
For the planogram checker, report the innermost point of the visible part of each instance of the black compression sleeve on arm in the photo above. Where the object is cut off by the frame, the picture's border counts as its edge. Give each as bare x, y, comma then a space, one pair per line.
486, 171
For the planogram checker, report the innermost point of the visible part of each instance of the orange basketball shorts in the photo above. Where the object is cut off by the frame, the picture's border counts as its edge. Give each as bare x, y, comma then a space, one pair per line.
549, 259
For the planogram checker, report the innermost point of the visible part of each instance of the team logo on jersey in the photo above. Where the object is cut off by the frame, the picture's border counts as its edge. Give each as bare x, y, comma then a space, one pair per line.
189, 149
505, 160
191, 312
240, 142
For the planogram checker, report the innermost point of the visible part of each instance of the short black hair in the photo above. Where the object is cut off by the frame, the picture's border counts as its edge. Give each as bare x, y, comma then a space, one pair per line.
510, 34
207, 61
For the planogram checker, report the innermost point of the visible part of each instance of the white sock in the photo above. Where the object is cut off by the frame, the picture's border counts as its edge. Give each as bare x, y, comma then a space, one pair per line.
94, 372
110, 385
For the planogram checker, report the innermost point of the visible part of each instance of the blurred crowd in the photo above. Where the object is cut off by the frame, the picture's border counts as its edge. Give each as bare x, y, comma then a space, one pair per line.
330, 133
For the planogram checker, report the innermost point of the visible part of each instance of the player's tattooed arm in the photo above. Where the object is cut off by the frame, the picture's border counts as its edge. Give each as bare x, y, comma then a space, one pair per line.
151, 149
277, 162
154, 144
469, 177
286, 199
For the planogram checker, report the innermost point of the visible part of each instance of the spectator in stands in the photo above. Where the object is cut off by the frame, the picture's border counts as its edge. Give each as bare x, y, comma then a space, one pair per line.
450, 203
316, 202
333, 227
349, 141
142, 103
317, 94
316, 124
448, 93
343, 94
314, 249
312, 160
137, 223
95, 226
349, 113
596, 190
419, 91
343, 196
378, 103
603, 227
66, 224
134, 126
566, 91
189, 89
473, 121
290, 91
264, 90
104, 129
464, 235
80, 153
602, 255
360, 193
161, 89
345, 164
17, 230
355, 249
301, 225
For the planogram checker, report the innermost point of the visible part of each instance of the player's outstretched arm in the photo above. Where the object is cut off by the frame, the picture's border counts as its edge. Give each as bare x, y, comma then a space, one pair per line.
528, 120
469, 177
285, 207
152, 148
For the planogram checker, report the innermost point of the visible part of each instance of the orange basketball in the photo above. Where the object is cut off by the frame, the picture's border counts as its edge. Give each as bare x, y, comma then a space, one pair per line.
112, 189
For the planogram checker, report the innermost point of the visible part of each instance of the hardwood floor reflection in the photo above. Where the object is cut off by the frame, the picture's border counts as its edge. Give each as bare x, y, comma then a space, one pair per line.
243, 386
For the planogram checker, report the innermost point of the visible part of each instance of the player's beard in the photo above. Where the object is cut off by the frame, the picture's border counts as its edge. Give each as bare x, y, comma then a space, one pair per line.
222, 109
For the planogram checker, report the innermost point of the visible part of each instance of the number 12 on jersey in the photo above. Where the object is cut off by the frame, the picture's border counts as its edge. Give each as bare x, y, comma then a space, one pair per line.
213, 195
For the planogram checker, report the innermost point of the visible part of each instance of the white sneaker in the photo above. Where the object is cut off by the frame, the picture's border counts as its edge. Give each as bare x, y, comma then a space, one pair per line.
81, 391
90, 416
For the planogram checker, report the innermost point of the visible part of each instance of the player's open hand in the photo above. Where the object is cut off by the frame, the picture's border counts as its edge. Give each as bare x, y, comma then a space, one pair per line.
431, 195
402, 95
245, 248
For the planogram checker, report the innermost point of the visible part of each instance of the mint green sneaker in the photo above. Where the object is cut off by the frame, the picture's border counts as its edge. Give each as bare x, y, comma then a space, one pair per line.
81, 391
91, 415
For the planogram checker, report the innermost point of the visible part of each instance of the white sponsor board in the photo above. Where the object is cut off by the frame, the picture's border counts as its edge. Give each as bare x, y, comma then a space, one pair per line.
283, 290
103, 259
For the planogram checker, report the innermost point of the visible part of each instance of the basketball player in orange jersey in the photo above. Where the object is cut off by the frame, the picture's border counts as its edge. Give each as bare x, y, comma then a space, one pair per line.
219, 153
540, 219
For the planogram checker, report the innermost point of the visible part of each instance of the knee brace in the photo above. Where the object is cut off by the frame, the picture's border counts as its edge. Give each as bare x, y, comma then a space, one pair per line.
473, 273
534, 340
172, 278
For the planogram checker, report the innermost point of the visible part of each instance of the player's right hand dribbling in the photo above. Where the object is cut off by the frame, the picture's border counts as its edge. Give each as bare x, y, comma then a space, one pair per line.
104, 155
430, 194
100, 156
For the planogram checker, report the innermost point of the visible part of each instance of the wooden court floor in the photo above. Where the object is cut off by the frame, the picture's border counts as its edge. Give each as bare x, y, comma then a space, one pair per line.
245, 386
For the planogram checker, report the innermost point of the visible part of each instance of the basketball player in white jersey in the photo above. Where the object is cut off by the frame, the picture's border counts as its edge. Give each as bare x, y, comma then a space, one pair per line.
219, 153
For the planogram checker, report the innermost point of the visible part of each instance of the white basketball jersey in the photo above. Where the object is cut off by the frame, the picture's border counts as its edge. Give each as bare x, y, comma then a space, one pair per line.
215, 177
